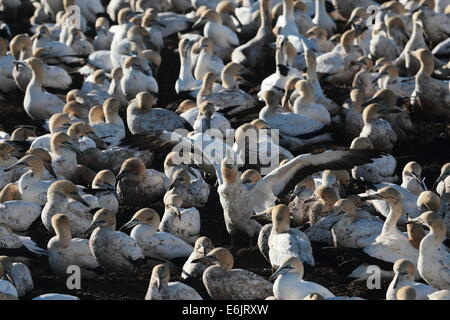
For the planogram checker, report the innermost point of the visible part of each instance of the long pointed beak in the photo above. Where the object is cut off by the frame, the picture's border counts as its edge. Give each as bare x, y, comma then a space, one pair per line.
78, 198
202, 250
415, 221
205, 259
237, 19
264, 216
49, 167
17, 165
282, 270
71, 147
129, 224
378, 77
120, 176
20, 63
375, 196
198, 23
92, 227
370, 101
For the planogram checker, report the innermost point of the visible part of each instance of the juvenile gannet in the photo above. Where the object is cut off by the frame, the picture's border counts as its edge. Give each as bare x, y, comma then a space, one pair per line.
391, 244
142, 117
285, 241
105, 183
64, 251
134, 79
135, 183
225, 283
194, 193
161, 289
380, 170
112, 131
364, 77
379, 131
319, 205
58, 195
181, 222
354, 228
305, 105
398, 118
154, 243
38, 103
114, 250
202, 247
289, 124
289, 283
412, 178
303, 191
434, 257
404, 276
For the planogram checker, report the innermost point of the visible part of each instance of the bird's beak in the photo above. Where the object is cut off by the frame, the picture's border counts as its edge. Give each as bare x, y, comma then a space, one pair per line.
20, 63
281, 270
378, 77
237, 19
71, 147
202, 250
93, 226
370, 101
49, 167
198, 23
121, 175
78, 198
17, 165
415, 221
375, 196
129, 224
390, 110
205, 259
263, 216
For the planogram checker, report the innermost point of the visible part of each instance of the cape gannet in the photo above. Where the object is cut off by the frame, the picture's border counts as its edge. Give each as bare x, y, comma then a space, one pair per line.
154, 243
225, 283
404, 276
202, 247
114, 250
64, 251
289, 283
161, 289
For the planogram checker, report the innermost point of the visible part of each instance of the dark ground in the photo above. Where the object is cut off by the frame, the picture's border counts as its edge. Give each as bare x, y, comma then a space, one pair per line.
430, 147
